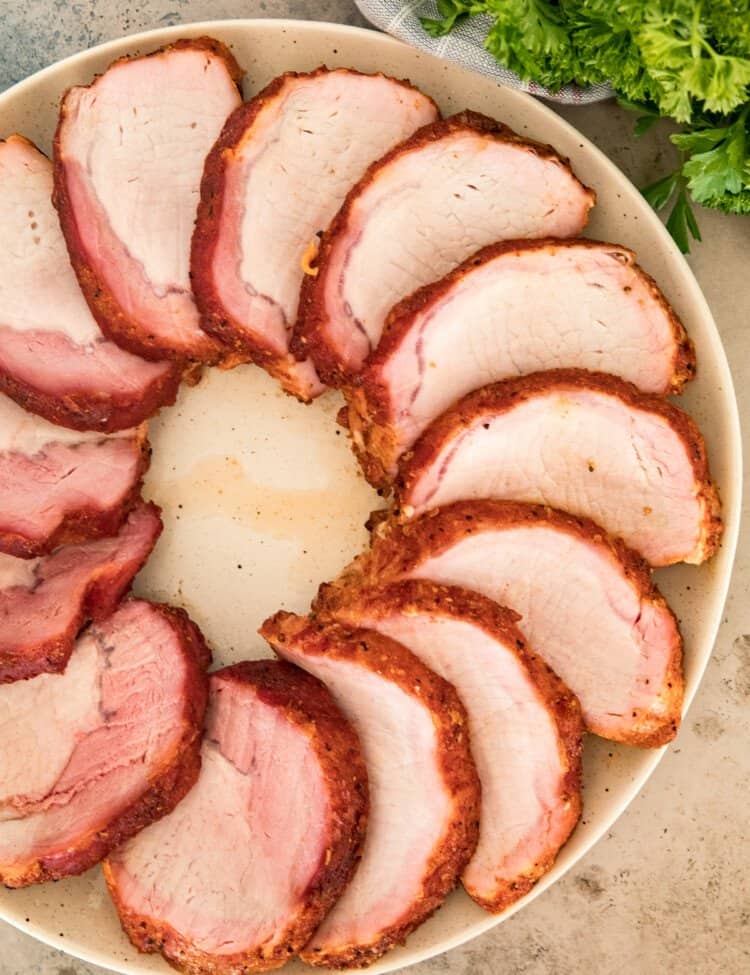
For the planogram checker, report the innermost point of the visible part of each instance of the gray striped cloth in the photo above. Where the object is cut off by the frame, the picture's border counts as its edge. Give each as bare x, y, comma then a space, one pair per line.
464, 45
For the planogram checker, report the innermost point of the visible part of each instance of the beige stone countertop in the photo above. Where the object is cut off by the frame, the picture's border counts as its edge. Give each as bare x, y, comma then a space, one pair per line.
668, 889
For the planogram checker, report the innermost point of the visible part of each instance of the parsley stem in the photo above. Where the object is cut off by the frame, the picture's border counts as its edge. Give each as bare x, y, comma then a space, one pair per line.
697, 40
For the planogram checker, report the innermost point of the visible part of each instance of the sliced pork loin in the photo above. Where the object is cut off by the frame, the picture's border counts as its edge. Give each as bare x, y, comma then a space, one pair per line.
513, 308
275, 179
238, 877
44, 602
59, 486
427, 205
525, 725
587, 603
587, 443
91, 756
54, 359
129, 153
424, 789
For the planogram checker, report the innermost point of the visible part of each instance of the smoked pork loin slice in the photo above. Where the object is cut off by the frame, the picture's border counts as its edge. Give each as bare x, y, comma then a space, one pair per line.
238, 877
44, 602
129, 153
59, 486
91, 756
427, 205
587, 603
275, 179
513, 308
424, 790
525, 725
587, 443
54, 359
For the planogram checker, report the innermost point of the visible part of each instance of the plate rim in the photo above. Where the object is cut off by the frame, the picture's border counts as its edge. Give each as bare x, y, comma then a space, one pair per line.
162, 35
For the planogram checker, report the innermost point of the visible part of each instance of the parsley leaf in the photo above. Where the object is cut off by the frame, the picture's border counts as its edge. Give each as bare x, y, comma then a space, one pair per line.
660, 193
682, 224
604, 46
529, 37
730, 25
738, 203
452, 12
718, 162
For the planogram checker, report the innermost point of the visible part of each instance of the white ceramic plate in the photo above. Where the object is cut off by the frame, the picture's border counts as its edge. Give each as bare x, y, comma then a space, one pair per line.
262, 499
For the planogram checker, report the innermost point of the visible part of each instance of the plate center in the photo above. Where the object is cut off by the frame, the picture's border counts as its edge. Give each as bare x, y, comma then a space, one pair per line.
262, 501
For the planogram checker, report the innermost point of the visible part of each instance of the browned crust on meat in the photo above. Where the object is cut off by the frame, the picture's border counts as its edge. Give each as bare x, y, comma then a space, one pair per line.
308, 703
85, 523
370, 409
305, 702
372, 437
94, 411
104, 591
246, 344
393, 662
310, 338
50, 657
90, 411
166, 787
216, 320
398, 548
110, 317
413, 597
498, 398
204, 43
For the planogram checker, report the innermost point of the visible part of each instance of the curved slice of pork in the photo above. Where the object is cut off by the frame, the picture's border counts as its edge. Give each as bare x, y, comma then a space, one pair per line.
275, 178
60, 486
587, 603
238, 877
54, 359
129, 153
91, 756
44, 602
587, 443
424, 789
513, 308
427, 205
525, 725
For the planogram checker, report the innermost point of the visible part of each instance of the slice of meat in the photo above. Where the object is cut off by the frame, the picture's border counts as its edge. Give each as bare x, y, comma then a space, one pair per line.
427, 205
525, 725
513, 308
238, 877
60, 486
44, 602
54, 359
424, 789
91, 756
275, 179
587, 443
587, 603
129, 153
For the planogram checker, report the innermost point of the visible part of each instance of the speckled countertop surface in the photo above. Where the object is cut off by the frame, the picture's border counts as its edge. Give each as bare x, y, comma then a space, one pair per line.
668, 889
